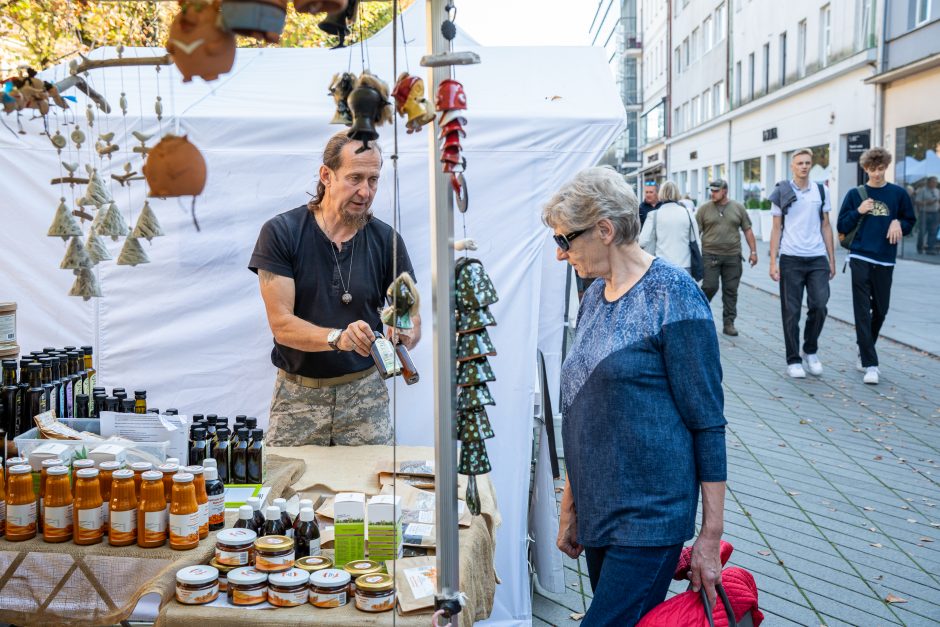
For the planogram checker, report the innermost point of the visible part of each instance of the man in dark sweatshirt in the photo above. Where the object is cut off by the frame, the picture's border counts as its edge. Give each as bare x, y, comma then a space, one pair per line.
887, 215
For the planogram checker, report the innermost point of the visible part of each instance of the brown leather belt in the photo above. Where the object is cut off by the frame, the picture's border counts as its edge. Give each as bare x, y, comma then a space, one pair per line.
311, 382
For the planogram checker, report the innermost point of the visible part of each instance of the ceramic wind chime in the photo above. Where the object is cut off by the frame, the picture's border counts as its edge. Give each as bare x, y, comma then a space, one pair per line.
198, 43
370, 107
411, 103
474, 295
452, 103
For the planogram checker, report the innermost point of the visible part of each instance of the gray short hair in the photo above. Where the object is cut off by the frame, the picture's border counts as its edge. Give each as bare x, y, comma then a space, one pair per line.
669, 191
592, 195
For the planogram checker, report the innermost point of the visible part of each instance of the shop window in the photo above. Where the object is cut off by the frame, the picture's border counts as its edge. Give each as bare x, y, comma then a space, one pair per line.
821, 171
747, 182
917, 155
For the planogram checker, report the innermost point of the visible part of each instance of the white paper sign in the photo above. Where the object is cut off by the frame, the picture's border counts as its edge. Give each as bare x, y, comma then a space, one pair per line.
149, 428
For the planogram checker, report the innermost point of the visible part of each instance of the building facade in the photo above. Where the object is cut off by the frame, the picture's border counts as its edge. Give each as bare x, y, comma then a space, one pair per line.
655, 84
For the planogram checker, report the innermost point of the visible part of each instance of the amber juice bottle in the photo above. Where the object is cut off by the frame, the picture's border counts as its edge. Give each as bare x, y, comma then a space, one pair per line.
122, 527
139, 469
184, 513
89, 525
105, 472
21, 504
3, 502
77, 465
58, 522
168, 469
43, 477
151, 511
202, 498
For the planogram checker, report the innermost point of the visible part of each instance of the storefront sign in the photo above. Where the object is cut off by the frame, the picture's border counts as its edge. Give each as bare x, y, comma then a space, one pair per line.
856, 144
653, 158
693, 154
770, 133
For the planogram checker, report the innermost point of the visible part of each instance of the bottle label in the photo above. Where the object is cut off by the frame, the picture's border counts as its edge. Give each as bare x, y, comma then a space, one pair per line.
320, 599
315, 546
273, 563
197, 597
90, 524
22, 515
123, 527
3, 510
376, 604
42, 405
287, 599
386, 352
155, 524
252, 597
217, 509
203, 514
184, 528
57, 521
92, 382
232, 558
65, 398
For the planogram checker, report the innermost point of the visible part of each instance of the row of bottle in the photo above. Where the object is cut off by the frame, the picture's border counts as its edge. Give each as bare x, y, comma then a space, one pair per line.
275, 521
135, 505
48, 379
238, 452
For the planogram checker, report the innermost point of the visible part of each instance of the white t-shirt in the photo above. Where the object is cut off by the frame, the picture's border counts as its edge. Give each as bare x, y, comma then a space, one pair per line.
801, 229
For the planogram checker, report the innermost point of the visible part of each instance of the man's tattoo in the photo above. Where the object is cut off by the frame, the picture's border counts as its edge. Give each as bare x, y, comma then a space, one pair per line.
266, 277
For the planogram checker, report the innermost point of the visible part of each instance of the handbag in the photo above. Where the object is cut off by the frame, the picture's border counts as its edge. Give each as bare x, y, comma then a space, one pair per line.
696, 265
747, 620
846, 239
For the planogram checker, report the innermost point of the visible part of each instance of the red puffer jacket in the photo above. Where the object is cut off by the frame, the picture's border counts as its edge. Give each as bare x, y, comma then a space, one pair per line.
686, 609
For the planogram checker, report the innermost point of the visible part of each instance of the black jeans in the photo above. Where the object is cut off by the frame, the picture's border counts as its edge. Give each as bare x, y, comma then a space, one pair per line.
797, 274
727, 268
871, 295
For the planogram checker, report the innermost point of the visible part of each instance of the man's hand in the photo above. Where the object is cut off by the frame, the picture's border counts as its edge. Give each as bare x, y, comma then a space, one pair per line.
568, 533
867, 205
356, 337
832, 269
706, 565
894, 232
774, 271
753, 258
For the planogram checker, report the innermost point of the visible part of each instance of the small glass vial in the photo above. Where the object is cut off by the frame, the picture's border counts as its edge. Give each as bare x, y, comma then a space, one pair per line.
184, 513
288, 589
122, 521
89, 524
235, 547
152, 519
197, 585
58, 522
274, 554
202, 498
329, 588
247, 586
375, 593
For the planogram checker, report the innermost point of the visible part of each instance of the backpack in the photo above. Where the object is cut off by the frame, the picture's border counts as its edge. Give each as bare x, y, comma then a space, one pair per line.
846, 239
822, 201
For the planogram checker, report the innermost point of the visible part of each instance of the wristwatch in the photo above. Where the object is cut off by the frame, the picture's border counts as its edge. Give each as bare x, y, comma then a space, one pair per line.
333, 338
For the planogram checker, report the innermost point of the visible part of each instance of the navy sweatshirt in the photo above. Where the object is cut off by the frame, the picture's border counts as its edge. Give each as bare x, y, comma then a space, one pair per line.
892, 202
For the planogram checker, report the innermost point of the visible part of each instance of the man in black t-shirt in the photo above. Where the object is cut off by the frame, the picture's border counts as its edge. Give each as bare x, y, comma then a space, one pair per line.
324, 269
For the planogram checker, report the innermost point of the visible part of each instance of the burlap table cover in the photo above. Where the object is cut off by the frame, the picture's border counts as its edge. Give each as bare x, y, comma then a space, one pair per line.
352, 469
66, 584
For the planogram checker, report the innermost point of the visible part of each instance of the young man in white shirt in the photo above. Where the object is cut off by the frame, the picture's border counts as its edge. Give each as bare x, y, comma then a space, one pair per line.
802, 235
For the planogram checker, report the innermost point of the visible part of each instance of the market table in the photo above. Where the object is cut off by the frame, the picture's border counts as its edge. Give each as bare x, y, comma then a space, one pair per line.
352, 469
67, 584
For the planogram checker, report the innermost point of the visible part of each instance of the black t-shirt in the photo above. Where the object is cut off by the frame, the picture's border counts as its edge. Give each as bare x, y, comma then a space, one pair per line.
292, 244
645, 208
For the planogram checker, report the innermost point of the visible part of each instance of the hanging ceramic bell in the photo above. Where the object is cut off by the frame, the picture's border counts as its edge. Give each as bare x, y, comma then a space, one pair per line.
261, 19
97, 193
404, 303
370, 108
410, 101
473, 459
64, 224
340, 88
96, 249
175, 167
474, 345
474, 372
147, 227
86, 285
474, 320
132, 253
338, 22
319, 6
198, 44
473, 426
474, 397
110, 223
474, 287
75, 256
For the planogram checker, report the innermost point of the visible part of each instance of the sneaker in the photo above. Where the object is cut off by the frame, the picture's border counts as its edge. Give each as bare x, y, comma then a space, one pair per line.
871, 375
813, 364
796, 371
730, 330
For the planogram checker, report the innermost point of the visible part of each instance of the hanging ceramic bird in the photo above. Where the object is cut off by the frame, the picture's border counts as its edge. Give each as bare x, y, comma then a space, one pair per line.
147, 227
132, 253
75, 256
111, 223
96, 249
71, 167
85, 285
143, 149
64, 224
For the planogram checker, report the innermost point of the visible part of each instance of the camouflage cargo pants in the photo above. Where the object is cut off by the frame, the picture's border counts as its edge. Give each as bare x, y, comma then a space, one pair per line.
348, 414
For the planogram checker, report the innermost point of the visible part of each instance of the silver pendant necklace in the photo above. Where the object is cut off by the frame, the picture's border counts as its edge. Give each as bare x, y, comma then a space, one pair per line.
347, 297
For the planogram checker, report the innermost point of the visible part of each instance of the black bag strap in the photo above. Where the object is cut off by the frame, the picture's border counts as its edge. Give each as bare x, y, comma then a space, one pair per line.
729, 611
822, 199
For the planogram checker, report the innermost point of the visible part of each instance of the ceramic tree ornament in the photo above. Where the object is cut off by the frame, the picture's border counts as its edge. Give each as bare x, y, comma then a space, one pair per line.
132, 253
147, 227
64, 224
85, 285
96, 249
97, 193
75, 256
110, 223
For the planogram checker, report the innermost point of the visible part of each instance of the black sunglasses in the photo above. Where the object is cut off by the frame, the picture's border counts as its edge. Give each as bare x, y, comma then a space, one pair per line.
564, 241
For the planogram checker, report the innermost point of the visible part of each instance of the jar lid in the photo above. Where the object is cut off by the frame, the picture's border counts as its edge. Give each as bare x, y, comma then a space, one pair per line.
57, 470
362, 567
83, 463
274, 543
292, 577
49, 463
236, 536
313, 563
376, 582
151, 475
197, 575
182, 477
168, 468
224, 569
330, 578
109, 466
87, 473
141, 466
20, 469
123, 474
246, 575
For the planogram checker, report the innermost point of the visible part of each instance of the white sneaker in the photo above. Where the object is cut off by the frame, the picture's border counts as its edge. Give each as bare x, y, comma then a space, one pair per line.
796, 371
871, 375
814, 365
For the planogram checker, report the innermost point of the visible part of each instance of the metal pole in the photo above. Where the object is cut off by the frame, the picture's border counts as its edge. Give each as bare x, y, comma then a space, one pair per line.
442, 298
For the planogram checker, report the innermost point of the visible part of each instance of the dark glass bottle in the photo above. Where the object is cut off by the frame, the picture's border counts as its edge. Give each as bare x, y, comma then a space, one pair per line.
211, 436
197, 451
140, 401
272, 522
48, 385
127, 406
172, 412
257, 514
211, 418
246, 519
306, 535
215, 490
35, 397
239, 464
119, 393
74, 380
286, 522
112, 403
91, 374
408, 370
11, 398
222, 453
153, 410
99, 404
22, 387
239, 424
59, 379
256, 457
81, 406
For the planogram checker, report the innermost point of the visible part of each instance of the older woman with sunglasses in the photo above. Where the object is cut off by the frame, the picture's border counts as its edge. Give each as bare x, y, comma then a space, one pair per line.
643, 409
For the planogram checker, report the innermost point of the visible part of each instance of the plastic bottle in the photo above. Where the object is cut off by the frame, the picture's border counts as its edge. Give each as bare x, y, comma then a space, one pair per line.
285, 518
272, 522
58, 522
199, 481
307, 535
151, 511
184, 513
215, 490
255, 503
89, 526
21, 504
122, 525
246, 519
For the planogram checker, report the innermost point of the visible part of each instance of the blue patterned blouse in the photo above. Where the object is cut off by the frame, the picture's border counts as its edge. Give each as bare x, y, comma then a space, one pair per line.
643, 411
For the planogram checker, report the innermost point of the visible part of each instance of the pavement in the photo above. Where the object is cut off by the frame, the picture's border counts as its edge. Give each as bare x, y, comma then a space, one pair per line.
833, 499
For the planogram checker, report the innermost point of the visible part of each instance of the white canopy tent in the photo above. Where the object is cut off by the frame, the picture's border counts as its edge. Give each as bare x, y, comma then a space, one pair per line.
190, 327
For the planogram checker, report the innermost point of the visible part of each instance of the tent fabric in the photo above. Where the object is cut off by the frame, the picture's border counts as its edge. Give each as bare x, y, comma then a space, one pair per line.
190, 327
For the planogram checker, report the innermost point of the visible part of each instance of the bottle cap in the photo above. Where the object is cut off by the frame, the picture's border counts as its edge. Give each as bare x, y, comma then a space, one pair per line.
197, 575
199, 433
251, 422
292, 577
172, 412
123, 474
306, 503
152, 475
182, 477
153, 410
110, 466
241, 418
116, 390
257, 434
210, 462
99, 389
140, 393
197, 417
194, 470
81, 398
306, 514
243, 434
213, 416
254, 502
246, 575
212, 474
172, 460
245, 512
83, 463
223, 431
88, 349
168, 468
272, 513
21, 469
57, 470
280, 504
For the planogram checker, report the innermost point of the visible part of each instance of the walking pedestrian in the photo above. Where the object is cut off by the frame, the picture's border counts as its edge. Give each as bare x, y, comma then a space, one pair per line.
883, 213
651, 201
720, 223
670, 230
802, 235
927, 203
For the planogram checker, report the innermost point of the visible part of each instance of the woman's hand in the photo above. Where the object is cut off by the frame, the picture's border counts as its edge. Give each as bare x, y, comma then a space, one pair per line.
568, 525
706, 565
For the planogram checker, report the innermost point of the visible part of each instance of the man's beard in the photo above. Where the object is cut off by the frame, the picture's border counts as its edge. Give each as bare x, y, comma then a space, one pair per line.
357, 221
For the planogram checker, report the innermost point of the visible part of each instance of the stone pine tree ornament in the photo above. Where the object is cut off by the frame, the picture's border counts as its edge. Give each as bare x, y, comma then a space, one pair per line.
85, 285
132, 253
64, 224
147, 227
75, 256
96, 249
111, 223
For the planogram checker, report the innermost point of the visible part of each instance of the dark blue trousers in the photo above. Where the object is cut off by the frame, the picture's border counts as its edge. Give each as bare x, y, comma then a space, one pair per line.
799, 274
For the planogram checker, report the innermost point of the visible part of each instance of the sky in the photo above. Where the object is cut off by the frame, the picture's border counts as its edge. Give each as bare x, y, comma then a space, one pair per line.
527, 22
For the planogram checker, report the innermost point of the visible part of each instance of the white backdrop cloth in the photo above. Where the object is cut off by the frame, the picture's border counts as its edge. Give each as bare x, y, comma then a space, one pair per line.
190, 327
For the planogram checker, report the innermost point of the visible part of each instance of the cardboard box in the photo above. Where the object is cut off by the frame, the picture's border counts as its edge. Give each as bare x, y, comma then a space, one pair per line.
107, 453
349, 519
49, 450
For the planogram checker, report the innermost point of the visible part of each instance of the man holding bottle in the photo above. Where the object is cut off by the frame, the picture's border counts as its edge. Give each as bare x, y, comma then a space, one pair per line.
324, 269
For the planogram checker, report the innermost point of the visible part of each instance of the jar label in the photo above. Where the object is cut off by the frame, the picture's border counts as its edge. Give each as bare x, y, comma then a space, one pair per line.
184, 528
251, 597
3, 510
123, 526
273, 562
22, 515
321, 599
375, 604
90, 524
231, 558
217, 509
287, 599
197, 597
57, 521
155, 522
203, 514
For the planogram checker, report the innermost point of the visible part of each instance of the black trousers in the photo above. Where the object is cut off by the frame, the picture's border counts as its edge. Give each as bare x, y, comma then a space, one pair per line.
799, 274
871, 296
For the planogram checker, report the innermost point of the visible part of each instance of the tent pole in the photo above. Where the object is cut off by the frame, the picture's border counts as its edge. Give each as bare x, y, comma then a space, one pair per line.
442, 297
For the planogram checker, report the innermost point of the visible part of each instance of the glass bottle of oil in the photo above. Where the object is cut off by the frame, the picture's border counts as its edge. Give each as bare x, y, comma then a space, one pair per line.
140, 401
35, 398
255, 467
91, 375
240, 458
11, 399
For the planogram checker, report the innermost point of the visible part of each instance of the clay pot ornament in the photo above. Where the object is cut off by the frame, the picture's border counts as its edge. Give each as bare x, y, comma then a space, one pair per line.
475, 290
410, 101
476, 345
370, 108
340, 88
175, 167
261, 19
450, 96
198, 44
338, 22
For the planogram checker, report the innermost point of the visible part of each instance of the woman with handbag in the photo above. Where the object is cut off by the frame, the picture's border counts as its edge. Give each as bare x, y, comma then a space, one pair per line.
671, 234
642, 405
